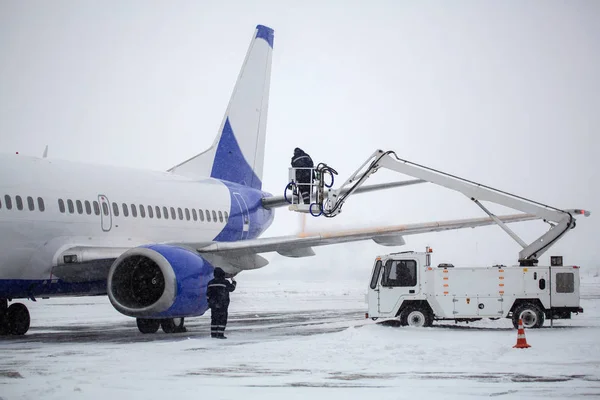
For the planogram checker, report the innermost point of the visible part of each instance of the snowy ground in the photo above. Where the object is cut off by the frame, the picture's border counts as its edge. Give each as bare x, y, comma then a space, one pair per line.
296, 340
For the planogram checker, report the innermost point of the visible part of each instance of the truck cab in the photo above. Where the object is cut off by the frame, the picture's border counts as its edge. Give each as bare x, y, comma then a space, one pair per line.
397, 278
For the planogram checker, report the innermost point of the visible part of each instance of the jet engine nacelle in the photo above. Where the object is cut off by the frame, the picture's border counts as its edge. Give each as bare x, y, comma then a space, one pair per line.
159, 281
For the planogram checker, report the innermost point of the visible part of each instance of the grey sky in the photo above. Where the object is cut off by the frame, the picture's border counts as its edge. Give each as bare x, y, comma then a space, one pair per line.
506, 93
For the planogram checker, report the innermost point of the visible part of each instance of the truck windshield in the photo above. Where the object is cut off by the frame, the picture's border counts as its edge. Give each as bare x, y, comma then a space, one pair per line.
400, 273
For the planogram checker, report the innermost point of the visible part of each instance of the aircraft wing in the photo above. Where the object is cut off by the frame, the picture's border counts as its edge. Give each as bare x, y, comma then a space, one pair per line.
85, 264
301, 245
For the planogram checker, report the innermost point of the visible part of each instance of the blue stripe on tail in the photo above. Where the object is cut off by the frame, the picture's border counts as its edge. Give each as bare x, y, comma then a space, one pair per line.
230, 164
264, 32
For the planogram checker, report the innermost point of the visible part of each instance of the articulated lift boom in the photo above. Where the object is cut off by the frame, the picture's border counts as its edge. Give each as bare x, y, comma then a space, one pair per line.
329, 202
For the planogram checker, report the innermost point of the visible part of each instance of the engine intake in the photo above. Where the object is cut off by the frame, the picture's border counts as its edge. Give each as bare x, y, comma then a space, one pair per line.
138, 282
159, 281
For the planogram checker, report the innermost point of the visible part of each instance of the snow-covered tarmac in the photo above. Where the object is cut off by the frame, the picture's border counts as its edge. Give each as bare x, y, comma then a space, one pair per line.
296, 340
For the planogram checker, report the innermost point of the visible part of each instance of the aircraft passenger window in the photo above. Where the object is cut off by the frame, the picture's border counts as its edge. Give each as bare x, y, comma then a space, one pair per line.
88, 207
41, 205
401, 273
61, 205
150, 212
208, 215
194, 214
187, 214
142, 211
70, 206
105, 208
165, 213
125, 210
8, 202
226, 216
180, 213
30, 203
157, 208
115, 209
96, 208
19, 202
79, 206
133, 211
201, 215
214, 215
173, 216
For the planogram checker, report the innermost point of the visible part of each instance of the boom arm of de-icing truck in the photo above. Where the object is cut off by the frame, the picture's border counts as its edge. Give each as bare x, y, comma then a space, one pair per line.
561, 221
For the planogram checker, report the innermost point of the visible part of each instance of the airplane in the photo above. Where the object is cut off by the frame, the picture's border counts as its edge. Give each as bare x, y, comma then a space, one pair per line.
150, 240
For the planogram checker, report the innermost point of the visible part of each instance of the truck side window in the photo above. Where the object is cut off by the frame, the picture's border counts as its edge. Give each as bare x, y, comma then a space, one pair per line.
565, 282
376, 273
402, 273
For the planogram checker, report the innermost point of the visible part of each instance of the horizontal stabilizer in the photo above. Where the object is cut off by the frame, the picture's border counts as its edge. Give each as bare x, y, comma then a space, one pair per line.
280, 201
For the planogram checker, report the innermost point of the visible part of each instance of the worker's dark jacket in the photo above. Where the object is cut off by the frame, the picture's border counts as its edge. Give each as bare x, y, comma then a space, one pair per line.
302, 160
217, 292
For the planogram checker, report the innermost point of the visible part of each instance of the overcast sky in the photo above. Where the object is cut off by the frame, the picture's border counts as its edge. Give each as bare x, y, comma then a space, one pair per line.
505, 93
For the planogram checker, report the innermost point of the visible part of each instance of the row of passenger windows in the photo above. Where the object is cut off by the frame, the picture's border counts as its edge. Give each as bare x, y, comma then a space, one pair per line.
20, 205
88, 207
142, 211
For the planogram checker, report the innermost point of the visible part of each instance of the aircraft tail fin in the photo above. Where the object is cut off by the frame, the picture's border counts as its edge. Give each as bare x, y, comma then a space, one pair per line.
237, 154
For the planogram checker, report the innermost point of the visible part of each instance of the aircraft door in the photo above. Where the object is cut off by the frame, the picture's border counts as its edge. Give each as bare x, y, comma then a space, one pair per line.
105, 213
245, 215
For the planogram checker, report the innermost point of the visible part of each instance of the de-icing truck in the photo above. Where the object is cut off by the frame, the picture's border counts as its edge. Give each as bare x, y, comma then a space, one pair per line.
406, 286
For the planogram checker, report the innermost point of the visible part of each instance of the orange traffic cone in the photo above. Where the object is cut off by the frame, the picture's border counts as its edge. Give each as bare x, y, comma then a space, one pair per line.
521, 341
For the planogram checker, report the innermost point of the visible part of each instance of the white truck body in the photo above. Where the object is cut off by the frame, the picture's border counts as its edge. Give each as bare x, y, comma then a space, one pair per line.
405, 283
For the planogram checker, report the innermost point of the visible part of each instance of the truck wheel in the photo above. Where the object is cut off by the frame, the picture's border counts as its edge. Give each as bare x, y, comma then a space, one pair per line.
531, 314
416, 316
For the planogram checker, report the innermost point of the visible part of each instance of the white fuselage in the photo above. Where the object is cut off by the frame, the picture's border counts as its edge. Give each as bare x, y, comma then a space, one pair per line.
30, 240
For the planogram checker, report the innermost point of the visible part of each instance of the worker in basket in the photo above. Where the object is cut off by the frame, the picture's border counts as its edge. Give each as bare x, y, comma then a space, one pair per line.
304, 175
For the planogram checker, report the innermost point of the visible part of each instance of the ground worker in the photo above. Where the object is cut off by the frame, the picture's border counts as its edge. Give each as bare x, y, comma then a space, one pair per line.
217, 294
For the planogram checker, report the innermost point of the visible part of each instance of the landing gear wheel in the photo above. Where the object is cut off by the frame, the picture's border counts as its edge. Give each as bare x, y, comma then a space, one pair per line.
173, 325
148, 325
531, 315
16, 319
416, 316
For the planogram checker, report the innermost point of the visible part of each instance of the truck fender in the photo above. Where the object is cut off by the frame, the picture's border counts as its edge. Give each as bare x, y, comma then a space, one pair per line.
424, 304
